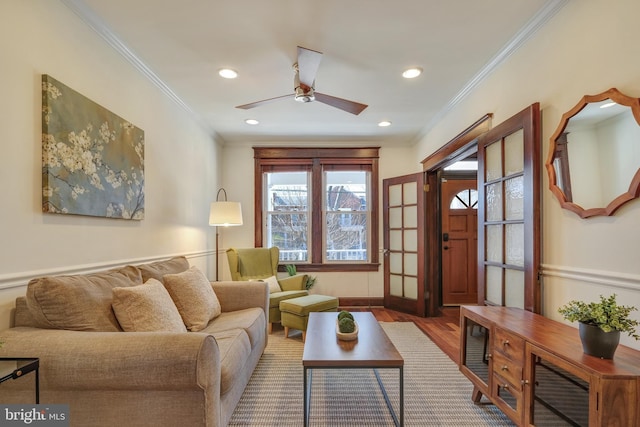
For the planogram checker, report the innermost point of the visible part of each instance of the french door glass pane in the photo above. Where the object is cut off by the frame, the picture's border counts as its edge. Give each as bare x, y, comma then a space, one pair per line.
395, 240
410, 240
411, 264
395, 263
494, 243
494, 201
395, 195
494, 284
514, 198
514, 153
514, 244
395, 285
410, 287
410, 194
410, 216
514, 288
395, 218
493, 162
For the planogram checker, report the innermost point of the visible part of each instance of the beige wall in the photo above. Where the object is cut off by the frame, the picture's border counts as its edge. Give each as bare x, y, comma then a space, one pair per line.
588, 47
45, 37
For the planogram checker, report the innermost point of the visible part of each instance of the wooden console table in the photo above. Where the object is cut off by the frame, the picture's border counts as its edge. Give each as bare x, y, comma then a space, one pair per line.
533, 368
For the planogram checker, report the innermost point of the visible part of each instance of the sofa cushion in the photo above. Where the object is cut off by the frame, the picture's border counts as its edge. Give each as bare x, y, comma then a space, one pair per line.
274, 299
81, 302
157, 270
146, 308
192, 293
235, 350
251, 320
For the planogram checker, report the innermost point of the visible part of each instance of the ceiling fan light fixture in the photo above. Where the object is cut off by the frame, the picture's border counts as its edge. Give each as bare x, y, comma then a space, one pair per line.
302, 96
227, 73
412, 73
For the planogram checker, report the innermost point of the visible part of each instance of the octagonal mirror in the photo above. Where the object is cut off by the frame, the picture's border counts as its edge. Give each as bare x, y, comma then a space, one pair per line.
594, 154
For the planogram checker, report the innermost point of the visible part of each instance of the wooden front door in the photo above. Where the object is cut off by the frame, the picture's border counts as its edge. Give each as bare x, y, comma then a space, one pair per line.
459, 241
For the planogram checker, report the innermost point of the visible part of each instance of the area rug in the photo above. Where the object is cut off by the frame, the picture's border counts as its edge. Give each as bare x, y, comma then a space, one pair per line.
435, 392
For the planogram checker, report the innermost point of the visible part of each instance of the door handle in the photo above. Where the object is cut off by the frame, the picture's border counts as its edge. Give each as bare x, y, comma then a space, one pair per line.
445, 247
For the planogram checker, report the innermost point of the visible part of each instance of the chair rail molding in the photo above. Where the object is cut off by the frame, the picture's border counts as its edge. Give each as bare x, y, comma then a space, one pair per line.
598, 277
19, 279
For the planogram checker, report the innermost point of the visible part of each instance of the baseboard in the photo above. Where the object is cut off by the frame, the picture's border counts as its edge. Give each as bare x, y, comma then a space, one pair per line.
361, 302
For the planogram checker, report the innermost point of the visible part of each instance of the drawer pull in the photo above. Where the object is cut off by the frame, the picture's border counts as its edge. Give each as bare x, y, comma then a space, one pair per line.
505, 342
505, 368
506, 386
525, 382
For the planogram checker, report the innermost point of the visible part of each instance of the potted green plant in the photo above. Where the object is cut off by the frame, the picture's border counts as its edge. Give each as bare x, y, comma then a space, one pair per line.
600, 324
310, 281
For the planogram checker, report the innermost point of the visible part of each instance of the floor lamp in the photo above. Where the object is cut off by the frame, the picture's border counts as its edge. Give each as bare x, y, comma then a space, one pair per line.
225, 214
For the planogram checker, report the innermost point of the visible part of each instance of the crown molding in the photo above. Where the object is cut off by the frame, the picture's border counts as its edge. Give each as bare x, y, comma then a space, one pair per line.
89, 17
526, 32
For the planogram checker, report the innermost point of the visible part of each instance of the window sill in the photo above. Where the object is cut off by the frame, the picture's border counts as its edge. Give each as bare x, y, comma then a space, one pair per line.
344, 267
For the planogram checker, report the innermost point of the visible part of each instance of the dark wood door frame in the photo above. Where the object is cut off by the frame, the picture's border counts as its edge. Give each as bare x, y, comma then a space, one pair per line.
460, 147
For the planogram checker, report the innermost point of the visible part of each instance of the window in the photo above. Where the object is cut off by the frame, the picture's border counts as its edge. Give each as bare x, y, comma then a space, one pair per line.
319, 206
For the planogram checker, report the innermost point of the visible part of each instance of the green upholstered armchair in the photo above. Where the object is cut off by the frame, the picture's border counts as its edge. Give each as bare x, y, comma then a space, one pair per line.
261, 263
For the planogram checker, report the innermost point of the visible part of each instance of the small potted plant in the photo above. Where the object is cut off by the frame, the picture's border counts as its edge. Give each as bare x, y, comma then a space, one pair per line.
310, 281
600, 324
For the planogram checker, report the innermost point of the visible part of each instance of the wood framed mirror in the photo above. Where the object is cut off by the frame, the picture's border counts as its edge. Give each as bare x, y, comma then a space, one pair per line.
594, 154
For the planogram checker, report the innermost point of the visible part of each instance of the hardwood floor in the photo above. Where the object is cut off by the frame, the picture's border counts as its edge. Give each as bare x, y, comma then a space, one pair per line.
444, 331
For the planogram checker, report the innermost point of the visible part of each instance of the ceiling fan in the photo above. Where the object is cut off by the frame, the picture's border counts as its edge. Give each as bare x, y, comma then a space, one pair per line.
305, 75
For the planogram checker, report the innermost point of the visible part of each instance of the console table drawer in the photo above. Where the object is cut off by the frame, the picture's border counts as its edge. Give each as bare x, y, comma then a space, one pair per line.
507, 368
511, 345
509, 397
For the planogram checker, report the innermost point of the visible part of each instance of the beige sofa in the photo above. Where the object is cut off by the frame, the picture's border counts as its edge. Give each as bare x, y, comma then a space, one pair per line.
110, 377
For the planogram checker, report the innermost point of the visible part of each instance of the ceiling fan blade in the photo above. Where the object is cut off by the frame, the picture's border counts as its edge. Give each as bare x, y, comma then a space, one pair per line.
264, 101
308, 63
343, 104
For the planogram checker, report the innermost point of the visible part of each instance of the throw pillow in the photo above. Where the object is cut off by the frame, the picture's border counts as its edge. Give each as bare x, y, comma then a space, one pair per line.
146, 308
274, 286
157, 270
192, 293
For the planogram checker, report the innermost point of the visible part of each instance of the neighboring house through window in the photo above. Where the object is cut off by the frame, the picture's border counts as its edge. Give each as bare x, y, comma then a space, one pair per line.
319, 206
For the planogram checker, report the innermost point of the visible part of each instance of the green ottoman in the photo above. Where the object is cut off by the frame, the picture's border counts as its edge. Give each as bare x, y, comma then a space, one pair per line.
295, 311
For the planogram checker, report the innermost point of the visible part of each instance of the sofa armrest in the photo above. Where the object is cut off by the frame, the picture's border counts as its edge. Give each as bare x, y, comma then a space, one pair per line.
235, 296
118, 360
293, 283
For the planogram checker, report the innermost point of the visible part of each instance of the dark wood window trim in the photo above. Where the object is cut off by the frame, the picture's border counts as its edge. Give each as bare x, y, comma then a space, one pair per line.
292, 158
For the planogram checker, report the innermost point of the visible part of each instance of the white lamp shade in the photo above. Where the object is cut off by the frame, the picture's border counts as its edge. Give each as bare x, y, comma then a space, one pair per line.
225, 214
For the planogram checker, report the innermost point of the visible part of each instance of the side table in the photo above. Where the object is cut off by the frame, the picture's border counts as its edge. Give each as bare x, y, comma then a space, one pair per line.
15, 367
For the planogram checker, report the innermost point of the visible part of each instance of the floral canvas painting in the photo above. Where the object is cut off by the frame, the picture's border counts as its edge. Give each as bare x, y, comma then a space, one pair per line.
92, 159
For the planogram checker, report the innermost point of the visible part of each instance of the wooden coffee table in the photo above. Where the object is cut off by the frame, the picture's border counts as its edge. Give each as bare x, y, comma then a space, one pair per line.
372, 350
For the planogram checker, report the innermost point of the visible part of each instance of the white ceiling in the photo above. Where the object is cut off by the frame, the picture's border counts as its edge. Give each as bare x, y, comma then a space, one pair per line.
367, 44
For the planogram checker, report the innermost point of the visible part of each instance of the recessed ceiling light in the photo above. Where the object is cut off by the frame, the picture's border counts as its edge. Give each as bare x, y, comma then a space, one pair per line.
384, 123
228, 73
251, 122
412, 73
